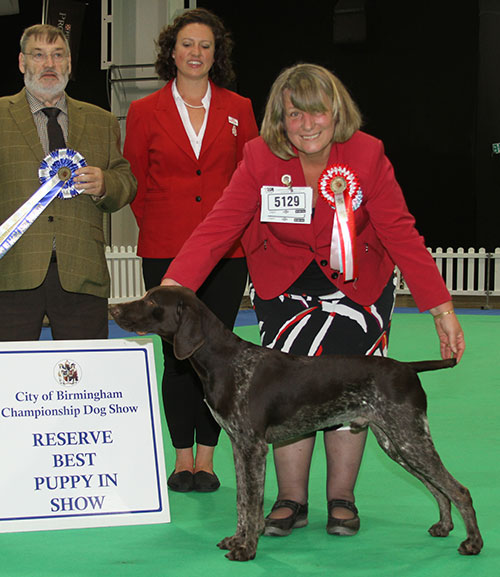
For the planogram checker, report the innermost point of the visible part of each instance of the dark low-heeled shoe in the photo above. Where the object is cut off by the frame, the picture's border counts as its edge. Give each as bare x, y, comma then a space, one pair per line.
283, 527
204, 482
182, 482
342, 526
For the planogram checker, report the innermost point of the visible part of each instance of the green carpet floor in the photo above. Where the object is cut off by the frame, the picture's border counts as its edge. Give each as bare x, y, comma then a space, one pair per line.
395, 509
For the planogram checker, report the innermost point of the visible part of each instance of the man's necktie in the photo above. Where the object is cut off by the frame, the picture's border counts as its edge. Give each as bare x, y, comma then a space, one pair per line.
54, 130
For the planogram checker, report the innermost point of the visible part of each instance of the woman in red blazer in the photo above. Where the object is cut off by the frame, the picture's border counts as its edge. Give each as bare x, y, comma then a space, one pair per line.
323, 222
183, 143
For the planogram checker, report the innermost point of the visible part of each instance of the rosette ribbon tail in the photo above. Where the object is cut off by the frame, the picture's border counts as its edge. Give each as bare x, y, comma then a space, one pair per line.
345, 226
338, 185
56, 174
17, 224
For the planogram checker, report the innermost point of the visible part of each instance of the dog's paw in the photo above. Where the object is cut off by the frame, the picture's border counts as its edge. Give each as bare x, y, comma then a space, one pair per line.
441, 529
471, 546
239, 549
225, 543
241, 554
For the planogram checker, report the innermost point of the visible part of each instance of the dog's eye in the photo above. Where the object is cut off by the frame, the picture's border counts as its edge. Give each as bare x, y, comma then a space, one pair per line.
157, 313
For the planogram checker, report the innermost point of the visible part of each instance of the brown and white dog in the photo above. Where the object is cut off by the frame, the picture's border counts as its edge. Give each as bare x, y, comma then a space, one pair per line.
261, 396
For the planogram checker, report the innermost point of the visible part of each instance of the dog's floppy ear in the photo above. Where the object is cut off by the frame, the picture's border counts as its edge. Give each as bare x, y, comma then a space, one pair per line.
189, 336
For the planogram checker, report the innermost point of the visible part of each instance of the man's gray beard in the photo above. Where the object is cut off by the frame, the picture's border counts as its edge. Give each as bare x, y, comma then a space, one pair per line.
42, 93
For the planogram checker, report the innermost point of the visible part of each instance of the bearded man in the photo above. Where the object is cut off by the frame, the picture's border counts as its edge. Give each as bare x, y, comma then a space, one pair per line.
57, 268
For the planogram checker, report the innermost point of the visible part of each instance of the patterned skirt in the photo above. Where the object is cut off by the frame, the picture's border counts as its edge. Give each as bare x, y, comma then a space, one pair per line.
327, 324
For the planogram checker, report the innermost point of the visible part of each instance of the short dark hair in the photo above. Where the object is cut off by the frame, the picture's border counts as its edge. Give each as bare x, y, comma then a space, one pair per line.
45, 31
222, 72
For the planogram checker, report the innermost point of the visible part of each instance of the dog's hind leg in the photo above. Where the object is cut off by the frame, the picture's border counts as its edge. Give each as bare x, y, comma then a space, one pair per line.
445, 524
250, 464
410, 445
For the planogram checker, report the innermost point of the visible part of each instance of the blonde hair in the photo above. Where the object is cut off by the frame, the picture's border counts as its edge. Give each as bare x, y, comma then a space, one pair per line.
312, 88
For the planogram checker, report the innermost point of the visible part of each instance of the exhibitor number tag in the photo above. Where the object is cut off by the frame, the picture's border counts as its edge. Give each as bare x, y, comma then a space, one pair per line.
286, 204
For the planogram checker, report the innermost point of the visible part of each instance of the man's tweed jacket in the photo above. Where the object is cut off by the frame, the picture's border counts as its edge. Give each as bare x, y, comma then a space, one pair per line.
76, 224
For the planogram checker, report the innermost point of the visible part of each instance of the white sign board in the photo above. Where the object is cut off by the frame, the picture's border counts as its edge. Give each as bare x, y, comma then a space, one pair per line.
81, 442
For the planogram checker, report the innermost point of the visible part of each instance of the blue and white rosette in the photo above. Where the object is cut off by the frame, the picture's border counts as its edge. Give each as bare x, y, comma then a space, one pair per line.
56, 173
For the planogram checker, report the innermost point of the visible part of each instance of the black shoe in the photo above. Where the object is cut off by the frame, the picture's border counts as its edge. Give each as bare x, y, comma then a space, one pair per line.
283, 527
342, 526
182, 482
204, 482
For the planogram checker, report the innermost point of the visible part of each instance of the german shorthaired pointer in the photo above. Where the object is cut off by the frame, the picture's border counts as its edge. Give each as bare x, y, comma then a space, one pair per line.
260, 396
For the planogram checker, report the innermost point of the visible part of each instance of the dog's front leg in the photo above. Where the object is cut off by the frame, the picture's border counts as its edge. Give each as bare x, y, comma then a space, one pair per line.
250, 464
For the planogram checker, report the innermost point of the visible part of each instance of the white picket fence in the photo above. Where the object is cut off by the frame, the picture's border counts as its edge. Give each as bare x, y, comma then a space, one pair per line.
474, 272
125, 270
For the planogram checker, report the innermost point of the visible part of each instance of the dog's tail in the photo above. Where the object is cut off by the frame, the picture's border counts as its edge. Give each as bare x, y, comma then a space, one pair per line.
421, 366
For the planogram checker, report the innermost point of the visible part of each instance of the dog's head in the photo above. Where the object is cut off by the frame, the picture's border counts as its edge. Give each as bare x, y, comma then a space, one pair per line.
173, 313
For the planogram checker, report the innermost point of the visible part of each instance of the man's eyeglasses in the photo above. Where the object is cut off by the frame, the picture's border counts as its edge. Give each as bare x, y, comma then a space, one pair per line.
40, 57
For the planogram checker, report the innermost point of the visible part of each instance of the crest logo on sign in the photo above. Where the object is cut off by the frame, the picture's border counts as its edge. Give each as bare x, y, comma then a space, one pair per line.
67, 373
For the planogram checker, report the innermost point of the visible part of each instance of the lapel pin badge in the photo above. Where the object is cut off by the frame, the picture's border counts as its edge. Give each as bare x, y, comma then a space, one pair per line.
234, 122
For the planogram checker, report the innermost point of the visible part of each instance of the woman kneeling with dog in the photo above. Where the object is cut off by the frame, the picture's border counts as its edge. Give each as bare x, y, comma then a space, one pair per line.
323, 222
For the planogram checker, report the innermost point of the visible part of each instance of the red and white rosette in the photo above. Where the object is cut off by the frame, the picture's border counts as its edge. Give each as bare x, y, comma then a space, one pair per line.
339, 186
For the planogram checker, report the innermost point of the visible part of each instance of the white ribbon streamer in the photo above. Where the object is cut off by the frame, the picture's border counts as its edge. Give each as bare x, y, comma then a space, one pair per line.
342, 239
56, 174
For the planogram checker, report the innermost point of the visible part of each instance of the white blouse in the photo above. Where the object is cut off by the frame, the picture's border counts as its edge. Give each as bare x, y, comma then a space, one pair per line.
196, 140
